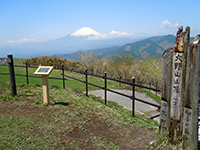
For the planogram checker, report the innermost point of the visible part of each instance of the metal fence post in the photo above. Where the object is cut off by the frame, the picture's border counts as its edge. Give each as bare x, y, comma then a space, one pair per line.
86, 79
63, 71
120, 78
149, 85
12, 75
27, 73
105, 94
133, 100
156, 88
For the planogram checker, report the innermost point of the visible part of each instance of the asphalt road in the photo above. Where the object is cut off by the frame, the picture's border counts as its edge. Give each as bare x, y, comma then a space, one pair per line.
127, 102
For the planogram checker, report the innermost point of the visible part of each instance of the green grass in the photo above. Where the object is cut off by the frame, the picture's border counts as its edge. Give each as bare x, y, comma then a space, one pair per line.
69, 83
18, 132
150, 94
27, 124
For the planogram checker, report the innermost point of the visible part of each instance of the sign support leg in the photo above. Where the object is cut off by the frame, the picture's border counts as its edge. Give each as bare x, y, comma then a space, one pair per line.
45, 86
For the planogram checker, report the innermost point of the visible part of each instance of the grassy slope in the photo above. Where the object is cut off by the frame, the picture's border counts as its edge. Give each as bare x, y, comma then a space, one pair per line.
72, 121
114, 115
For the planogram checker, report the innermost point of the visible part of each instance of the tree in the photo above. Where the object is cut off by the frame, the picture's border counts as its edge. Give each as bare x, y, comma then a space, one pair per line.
151, 69
84, 57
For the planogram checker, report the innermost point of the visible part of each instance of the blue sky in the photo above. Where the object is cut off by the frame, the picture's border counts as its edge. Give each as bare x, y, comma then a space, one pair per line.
40, 20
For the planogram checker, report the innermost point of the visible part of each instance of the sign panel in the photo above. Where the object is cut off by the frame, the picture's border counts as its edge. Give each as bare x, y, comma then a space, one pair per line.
3, 60
43, 70
187, 121
163, 113
176, 85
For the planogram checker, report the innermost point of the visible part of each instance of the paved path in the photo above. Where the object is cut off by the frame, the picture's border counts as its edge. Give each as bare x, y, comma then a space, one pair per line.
127, 102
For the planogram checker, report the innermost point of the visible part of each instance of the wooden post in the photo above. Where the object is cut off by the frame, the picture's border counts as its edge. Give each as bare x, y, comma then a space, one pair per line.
44, 71
166, 89
45, 86
181, 90
191, 95
12, 75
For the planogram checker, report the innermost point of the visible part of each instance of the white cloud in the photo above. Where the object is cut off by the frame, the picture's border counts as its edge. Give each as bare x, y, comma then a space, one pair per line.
111, 35
154, 33
177, 24
24, 40
166, 24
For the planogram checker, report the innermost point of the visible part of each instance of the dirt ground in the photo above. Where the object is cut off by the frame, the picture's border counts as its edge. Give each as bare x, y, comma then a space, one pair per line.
73, 136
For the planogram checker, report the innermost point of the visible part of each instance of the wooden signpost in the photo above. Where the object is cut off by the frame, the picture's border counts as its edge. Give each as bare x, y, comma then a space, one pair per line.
181, 90
44, 71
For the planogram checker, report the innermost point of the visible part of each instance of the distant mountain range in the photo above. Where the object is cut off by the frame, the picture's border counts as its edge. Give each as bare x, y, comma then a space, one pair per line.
153, 46
89, 39
79, 40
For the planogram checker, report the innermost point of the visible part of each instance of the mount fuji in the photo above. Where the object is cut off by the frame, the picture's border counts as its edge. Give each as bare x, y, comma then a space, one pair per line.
79, 40
85, 31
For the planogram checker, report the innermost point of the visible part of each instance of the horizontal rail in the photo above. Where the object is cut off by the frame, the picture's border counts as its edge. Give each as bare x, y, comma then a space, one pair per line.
4, 64
4, 73
116, 80
73, 78
33, 76
149, 103
128, 96
131, 97
155, 116
130, 83
73, 70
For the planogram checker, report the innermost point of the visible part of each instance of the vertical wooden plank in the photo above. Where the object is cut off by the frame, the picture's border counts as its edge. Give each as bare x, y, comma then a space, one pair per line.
178, 83
45, 87
166, 89
176, 93
191, 95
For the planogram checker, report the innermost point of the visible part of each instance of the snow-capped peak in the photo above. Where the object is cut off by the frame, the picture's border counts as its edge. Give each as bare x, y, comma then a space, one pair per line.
85, 31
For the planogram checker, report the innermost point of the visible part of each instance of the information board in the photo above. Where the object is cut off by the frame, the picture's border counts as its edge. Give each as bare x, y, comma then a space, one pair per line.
43, 70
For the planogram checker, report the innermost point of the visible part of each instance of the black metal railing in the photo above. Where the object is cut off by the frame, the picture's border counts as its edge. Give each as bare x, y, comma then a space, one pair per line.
105, 77
133, 84
33, 76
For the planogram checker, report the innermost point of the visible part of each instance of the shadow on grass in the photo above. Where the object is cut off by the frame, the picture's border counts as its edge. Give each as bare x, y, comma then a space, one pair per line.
61, 103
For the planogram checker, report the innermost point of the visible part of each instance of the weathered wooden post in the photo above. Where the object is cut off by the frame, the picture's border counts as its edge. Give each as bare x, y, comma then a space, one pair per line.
166, 90
12, 75
181, 90
191, 95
